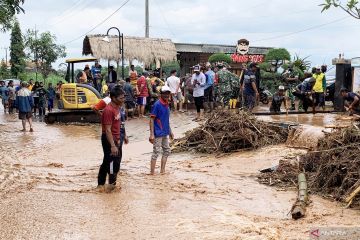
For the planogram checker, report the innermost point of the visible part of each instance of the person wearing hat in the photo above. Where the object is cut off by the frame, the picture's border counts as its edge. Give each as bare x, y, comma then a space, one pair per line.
249, 88
160, 130
198, 81
24, 104
277, 100
304, 92
319, 87
352, 101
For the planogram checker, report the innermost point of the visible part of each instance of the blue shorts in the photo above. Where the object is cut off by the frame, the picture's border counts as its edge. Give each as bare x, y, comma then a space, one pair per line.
141, 101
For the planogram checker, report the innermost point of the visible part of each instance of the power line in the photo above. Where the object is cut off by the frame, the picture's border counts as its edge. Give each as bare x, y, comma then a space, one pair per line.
165, 20
303, 30
67, 12
103, 21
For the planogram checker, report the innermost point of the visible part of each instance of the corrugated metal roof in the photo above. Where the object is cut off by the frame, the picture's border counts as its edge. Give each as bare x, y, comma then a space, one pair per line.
216, 48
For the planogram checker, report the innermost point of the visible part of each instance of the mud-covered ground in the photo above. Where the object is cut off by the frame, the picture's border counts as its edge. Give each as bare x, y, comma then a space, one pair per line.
48, 180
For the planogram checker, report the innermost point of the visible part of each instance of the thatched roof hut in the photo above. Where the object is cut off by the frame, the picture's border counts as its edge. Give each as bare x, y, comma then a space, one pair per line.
146, 50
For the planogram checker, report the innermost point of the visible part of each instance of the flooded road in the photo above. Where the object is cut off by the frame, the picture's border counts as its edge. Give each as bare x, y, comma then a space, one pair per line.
48, 180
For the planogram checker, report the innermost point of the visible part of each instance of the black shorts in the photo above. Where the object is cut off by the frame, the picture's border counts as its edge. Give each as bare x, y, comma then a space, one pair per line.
209, 94
129, 104
25, 115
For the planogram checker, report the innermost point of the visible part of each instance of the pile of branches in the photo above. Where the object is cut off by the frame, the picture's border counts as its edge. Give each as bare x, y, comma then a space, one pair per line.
283, 176
226, 131
334, 169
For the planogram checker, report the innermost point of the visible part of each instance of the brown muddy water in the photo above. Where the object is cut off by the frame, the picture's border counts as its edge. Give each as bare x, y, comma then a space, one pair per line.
48, 180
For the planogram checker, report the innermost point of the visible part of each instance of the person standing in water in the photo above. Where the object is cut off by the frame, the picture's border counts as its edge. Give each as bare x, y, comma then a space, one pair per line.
111, 139
160, 130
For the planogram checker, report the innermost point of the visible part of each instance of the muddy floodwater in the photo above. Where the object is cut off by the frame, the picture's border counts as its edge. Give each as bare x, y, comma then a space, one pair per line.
48, 180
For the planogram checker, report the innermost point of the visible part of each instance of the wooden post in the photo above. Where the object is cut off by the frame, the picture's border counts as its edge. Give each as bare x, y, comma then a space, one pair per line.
299, 208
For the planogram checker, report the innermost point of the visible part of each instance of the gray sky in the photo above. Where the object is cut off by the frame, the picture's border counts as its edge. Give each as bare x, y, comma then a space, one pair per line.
270, 23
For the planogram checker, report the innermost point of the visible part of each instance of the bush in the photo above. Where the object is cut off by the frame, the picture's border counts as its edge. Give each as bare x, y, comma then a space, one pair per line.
220, 57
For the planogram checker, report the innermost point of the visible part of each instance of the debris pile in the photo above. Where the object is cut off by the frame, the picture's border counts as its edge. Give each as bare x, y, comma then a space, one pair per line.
227, 131
283, 175
333, 170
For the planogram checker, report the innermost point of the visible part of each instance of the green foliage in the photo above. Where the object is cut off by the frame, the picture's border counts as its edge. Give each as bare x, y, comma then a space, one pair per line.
277, 54
43, 50
52, 78
17, 55
167, 67
4, 71
8, 9
351, 7
302, 63
271, 80
265, 66
220, 57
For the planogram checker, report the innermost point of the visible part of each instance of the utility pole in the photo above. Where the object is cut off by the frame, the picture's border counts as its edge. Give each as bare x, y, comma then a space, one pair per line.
146, 18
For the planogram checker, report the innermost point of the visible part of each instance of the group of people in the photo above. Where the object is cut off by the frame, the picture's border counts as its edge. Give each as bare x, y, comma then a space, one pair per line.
93, 76
43, 98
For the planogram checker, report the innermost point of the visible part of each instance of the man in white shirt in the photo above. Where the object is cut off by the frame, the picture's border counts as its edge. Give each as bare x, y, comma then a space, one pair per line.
173, 83
198, 81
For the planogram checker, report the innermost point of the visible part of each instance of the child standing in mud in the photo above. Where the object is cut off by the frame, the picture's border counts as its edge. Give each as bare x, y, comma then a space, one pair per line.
111, 139
160, 130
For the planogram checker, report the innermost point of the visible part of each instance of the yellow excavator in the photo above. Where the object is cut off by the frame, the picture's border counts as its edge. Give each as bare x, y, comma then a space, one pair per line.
75, 99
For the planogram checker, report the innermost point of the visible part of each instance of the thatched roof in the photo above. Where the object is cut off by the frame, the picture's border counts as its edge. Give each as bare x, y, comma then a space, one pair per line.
146, 50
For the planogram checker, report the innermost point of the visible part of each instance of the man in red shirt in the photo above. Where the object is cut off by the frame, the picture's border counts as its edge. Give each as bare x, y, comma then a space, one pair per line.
110, 139
142, 92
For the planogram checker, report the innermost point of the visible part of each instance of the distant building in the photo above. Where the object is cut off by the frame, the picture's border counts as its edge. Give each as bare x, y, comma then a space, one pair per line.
191, 54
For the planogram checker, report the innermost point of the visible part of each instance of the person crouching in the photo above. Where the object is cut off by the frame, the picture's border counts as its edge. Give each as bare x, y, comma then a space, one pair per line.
277, 100
110, 139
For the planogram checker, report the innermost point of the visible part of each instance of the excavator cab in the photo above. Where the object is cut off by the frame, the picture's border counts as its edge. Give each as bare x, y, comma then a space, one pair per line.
76, 99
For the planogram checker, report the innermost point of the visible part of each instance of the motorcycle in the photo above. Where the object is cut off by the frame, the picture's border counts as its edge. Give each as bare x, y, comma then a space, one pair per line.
265, 95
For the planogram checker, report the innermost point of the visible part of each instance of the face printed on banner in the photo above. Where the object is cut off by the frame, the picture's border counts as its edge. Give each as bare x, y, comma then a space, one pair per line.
243, 47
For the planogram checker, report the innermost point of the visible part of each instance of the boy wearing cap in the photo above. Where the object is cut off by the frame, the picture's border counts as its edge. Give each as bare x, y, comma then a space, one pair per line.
277, 100
160, 130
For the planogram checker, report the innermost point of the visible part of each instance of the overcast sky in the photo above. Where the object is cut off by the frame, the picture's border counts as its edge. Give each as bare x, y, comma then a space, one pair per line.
269, 23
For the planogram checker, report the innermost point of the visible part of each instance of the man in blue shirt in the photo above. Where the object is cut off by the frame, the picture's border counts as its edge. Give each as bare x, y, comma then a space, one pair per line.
96, 74
160, 130
352, 101
249, 88
209, 89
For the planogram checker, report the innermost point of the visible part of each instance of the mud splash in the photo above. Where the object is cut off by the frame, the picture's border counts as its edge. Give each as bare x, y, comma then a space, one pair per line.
201, 197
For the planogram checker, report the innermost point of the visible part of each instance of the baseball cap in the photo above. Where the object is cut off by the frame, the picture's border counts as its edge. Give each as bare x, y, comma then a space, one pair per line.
318, 67
281, 87
165, 89
196, 68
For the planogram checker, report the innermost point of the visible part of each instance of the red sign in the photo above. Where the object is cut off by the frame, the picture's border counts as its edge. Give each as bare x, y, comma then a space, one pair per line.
247, 58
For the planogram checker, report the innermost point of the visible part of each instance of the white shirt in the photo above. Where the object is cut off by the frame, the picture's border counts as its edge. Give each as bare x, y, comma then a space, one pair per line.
200, 86
173, 83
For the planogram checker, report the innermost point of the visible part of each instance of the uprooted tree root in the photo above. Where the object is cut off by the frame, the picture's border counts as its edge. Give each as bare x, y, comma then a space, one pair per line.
226, 131
333, 169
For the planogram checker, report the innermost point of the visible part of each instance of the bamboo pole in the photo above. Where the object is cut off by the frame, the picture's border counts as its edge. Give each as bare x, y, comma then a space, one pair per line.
299, 208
